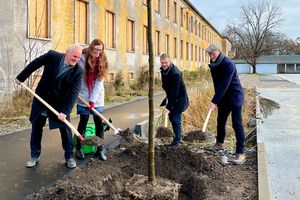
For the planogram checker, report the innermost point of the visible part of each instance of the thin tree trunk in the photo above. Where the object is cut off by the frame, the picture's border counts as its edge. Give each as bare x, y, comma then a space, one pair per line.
151, 154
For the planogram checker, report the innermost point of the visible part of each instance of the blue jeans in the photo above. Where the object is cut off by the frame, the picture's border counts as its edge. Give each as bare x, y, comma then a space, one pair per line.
237, 125
175, 119
37, 133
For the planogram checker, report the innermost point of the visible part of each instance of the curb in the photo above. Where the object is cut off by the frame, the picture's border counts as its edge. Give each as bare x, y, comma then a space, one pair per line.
142, 128
264, 188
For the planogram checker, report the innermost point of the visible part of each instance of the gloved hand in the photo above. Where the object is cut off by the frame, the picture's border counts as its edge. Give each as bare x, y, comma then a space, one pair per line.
92, 105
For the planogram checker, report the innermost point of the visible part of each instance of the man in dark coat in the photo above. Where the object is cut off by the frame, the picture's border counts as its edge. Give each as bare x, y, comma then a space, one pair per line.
229, 98
177, 99
59, 86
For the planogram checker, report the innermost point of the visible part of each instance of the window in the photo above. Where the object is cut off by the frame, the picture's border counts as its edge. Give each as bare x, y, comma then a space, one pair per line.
199, 31
110, 30
187, 21
130, 35
111, 76
157, 43
145, 41
181, 16
175, 47
196, 27
157, 5
196, 56
200, 55
192, 51
192, 27
187, 51
38, 19
80, 22
203, 32
181, 49
167, 44
131, 75
167, 8
175, 12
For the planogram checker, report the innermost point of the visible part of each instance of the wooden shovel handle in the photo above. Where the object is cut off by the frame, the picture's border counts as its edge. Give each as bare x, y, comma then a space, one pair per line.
206, 120
54, 111
100, 115
166, 119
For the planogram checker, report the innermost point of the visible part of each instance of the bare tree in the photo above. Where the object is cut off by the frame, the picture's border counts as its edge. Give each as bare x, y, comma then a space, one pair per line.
253, 33
151, 153
285, 46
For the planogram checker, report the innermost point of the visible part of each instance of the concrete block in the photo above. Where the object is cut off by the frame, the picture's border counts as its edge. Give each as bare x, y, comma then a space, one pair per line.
142, 128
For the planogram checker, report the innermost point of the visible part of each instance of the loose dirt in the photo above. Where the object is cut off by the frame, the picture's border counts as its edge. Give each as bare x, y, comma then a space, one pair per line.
199, 172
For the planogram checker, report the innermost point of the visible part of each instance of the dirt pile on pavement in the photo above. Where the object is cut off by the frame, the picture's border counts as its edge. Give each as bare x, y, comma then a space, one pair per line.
200, 174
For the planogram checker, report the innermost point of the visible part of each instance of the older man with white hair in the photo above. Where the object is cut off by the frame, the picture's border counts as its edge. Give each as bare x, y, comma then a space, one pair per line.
228, 97
59, 86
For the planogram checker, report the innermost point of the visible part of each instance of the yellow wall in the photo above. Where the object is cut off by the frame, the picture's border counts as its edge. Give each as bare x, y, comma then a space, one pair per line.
62, 31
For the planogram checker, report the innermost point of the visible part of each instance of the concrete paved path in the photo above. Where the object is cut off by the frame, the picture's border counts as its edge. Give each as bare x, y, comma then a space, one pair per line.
280, 134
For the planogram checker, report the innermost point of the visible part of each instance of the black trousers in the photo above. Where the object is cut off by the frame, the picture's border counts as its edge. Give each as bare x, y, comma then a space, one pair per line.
36, 138
237, 125
82, 127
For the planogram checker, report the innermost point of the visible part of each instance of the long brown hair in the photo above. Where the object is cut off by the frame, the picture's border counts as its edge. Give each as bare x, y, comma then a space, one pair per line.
101, 66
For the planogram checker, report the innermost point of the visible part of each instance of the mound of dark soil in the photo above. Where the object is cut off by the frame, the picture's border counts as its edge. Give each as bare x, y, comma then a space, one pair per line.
164, 132
200, 174
195, 135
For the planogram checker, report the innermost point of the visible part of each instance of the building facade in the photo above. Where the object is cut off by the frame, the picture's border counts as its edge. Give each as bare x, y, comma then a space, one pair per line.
29, 28
271, 64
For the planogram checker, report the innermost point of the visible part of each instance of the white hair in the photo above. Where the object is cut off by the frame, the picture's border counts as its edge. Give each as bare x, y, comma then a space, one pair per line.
74, 46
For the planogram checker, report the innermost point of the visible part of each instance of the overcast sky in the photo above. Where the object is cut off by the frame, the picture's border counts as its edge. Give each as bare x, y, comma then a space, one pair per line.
221, 13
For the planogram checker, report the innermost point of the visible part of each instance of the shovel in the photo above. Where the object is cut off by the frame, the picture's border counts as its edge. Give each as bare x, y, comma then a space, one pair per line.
89, 141
116, 131
206, 121
166, 119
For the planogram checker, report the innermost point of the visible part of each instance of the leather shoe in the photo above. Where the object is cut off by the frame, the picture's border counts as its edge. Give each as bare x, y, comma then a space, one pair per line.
80, 154
32, 162
71, 163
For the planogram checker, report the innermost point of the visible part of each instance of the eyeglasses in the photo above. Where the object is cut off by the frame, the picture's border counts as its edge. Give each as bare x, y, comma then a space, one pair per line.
97, 50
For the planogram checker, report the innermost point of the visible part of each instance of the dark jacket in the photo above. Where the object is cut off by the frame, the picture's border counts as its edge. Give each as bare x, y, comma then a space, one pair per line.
228, 89
172, 83
59, 91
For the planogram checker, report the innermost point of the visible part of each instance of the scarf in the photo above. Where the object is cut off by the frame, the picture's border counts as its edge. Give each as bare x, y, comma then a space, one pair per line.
217, 61
92, 76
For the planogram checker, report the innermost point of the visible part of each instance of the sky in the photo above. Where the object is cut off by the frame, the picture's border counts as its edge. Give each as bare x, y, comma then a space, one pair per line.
221, 13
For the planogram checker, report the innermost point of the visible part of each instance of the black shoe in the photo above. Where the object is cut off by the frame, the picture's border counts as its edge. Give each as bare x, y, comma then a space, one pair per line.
80, 154
100, 154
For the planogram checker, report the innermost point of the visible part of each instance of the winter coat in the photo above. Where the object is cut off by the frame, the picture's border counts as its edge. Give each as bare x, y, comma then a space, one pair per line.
228, 89
97, 93
59, 91
172, 83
